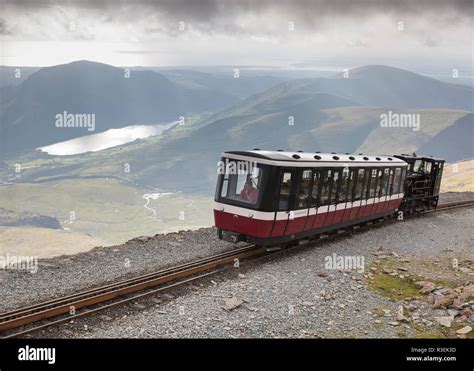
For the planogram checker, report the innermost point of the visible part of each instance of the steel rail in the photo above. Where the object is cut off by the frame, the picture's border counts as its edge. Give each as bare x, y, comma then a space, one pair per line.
130, 281
24, 316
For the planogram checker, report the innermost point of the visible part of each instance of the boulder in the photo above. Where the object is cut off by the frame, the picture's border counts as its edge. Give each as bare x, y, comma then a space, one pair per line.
465, 330
445, 298
401, 318
467, 293
469, 289
232, 303
425, 286
445, 321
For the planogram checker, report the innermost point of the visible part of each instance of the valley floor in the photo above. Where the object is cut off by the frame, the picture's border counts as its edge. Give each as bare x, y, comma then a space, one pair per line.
85, 213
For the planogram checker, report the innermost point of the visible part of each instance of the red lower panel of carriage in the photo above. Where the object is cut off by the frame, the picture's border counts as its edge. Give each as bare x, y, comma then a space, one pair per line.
268, 228
242, 224
338, 216
319, 220
296, 224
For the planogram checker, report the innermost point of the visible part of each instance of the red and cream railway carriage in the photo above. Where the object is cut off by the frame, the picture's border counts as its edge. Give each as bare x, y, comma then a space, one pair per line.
273, 197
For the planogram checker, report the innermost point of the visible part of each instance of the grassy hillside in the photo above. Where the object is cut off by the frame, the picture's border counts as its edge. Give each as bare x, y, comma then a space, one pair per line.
406, 140
106, 209
43, 242
455, 142
28, 118
458, 177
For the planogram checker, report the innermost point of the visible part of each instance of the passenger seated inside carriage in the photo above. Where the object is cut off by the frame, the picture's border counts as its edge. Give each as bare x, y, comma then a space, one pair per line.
249, 193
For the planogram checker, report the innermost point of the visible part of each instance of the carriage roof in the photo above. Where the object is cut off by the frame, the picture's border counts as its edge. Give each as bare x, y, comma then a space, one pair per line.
294, 158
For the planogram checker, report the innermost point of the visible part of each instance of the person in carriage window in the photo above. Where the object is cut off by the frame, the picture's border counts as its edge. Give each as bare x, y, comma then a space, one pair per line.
249, 193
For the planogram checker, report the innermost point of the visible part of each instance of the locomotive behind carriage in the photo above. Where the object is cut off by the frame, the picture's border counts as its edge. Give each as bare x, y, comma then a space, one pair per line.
271, 198
422, 183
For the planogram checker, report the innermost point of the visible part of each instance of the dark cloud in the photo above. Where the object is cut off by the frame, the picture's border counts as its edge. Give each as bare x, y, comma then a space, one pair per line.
308, 10
213, 17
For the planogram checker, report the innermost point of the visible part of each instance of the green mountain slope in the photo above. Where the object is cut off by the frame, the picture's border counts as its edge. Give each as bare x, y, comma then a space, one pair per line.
455, 142
27, 119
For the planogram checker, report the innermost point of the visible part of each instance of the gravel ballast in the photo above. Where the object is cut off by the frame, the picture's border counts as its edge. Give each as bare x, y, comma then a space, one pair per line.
70, 274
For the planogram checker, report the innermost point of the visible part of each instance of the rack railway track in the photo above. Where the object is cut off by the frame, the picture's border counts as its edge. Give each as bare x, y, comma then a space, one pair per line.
64, 308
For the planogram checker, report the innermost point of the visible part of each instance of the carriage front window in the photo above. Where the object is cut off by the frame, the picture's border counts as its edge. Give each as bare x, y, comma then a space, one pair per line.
241, 182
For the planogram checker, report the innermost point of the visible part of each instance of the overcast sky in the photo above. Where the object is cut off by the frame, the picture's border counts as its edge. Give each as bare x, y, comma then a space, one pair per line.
302, 34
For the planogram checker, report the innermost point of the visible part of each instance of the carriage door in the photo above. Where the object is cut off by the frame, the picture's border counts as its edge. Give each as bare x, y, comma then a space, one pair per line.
283, 202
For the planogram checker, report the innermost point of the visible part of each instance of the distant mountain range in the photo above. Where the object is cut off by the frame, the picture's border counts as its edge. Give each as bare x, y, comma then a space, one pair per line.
339, 113
28, 110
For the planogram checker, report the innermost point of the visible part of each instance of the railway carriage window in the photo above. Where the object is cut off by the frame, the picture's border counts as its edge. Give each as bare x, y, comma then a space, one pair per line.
372, 183
305, 189
241, 181
390, 183
385, 181
285, 187
325, 179
334, 187
315, 190
225, 181
402, 180
379, 183
225, 186
351, 184
344, 185
365, 181
241, 184
396, 180
359, 186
